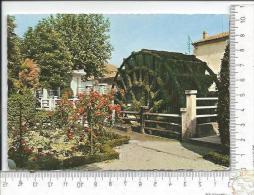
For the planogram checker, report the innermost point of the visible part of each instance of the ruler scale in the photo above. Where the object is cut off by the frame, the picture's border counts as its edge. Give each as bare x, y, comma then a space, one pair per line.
242, 86
127, 182
165, 182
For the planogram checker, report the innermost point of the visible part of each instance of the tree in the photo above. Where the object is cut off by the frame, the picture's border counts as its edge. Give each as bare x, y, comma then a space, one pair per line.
13, 52
46, 46
29, 74
223, 102
87, 39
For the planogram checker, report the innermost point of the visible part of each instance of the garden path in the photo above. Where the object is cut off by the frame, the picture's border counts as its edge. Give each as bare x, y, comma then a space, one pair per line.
145, 152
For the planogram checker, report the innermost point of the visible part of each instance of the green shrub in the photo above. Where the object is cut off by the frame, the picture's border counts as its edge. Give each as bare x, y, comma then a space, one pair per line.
43, 116
107, 153
223, 102
82, 160
218, 158
49, 162
118, 142
21, 108
21, 114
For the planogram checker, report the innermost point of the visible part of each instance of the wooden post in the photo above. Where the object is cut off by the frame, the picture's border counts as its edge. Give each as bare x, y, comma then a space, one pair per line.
189, 115
142, 125
41, 103
143, 109
113, 114
50, 103
58, 92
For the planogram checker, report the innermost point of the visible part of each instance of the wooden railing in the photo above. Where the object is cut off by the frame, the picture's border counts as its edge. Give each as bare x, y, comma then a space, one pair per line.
153, 122
207, 116
212, 108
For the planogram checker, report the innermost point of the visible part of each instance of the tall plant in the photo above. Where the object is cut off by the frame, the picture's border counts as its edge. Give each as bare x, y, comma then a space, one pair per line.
13, 53
21, 113
223, 102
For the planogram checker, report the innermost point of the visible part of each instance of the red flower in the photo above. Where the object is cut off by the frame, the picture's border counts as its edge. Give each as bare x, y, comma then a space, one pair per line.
115, 107
22, 142
27, 150
98, 113
81, 110
70, 134
111, 107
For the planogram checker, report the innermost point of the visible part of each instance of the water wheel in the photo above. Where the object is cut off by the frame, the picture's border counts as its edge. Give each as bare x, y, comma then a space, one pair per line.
158, 79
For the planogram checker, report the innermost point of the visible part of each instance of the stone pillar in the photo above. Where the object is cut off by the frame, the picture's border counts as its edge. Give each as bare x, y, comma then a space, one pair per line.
189, 115
44, 93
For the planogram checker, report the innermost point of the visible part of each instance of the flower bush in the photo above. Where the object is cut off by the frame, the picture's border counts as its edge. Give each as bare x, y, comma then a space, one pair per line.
74, 132
86, 116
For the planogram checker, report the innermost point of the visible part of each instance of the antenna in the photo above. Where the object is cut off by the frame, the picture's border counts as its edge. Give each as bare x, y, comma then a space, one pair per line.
189, 42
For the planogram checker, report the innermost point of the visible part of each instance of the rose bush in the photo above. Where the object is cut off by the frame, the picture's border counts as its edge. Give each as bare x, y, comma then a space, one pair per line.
76, 128
86, 116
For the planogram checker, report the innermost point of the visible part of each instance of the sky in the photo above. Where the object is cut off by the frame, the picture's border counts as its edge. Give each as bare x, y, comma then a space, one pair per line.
133, 32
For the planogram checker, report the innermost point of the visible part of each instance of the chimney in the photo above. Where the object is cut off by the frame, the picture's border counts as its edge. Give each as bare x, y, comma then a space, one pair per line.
205, 34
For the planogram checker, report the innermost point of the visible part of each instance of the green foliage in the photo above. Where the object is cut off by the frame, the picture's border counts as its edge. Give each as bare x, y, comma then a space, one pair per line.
218, 158
82, 160
13, 52
42, 116
46, 46
38, 162
21, 112
36, 141
21, 107
64, 115
54, 152
65, 42
223, 101
87, 37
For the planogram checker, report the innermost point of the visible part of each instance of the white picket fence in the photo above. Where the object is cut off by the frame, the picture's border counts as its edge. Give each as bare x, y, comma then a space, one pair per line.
52, 102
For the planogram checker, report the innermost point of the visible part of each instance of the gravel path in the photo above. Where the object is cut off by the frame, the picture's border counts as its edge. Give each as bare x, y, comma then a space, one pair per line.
146, 152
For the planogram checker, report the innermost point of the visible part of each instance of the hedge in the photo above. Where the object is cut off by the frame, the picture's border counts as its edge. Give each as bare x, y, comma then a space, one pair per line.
108, 153
218, 158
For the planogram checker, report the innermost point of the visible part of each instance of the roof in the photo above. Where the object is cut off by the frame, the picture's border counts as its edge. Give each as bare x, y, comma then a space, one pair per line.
110, 71
79, 72
216, 37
